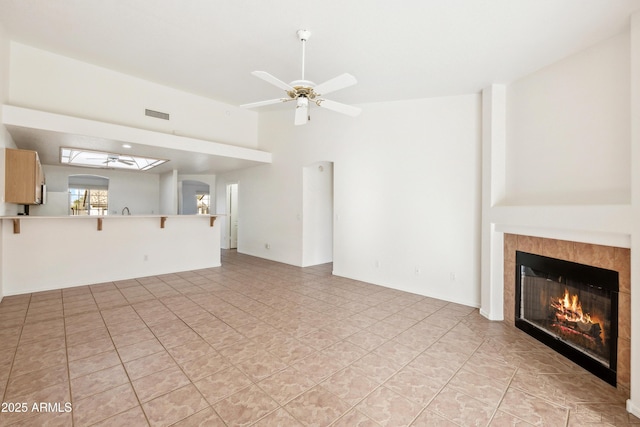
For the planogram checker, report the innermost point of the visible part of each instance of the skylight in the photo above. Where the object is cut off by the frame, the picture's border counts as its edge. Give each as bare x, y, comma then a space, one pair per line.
106, 160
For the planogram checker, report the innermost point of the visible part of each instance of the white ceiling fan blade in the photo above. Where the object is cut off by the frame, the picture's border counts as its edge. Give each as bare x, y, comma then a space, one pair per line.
336, 83
339, 107
302, 112
273, 80
263, 103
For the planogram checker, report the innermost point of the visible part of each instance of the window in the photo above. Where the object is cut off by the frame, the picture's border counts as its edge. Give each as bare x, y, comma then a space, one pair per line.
103, 159
202, 200
84, 201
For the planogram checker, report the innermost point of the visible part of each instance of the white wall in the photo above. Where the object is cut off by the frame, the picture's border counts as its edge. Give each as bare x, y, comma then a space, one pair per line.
5, 138
45, 81
568, 130
53, 253
406, 193
138, 191
169, 193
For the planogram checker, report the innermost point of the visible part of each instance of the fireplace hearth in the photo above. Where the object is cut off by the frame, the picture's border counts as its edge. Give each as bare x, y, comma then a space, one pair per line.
570, 307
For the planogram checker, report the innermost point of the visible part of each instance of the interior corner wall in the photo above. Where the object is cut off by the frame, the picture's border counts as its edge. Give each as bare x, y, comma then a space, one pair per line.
406, 193
568, 127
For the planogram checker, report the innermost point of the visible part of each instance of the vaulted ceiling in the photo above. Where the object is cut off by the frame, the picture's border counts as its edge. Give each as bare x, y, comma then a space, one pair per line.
396, 49
404, 49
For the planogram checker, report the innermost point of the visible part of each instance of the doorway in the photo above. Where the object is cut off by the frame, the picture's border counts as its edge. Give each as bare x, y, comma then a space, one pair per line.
194, 198
317, 202
88, 195
232, 215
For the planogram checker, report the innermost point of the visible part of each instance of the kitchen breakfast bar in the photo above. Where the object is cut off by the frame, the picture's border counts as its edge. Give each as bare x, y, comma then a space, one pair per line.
40, 253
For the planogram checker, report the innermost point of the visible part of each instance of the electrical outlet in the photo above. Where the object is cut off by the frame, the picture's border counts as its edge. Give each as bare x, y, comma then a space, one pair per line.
267, 246
452, 276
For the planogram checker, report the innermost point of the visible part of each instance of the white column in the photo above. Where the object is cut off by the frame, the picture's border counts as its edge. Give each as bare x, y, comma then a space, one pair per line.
633, 404
493, 190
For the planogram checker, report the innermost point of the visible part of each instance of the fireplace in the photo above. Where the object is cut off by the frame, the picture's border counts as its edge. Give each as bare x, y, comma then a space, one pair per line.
570, 307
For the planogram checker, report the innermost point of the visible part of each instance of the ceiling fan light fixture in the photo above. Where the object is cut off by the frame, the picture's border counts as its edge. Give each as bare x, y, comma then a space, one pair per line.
304, 90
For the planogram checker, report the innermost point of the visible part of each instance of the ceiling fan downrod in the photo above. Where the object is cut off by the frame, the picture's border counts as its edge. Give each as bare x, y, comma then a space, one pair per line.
303, 35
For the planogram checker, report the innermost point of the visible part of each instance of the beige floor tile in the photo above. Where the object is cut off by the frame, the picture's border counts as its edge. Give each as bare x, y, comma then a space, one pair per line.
286, 385
261, 366
90, 348
87, 336
222, 384
355, 418
190, 351
25, 363
389, 408
99, 381
533, 409
174, 406
461, 409
132, 337
246, 406
204, 366
98, 362
205, 418
160, 383
140, 349
478, 386
256, 341
414, 385
350, 384
103, 405
502, 419
33, 381
317, 407
148, 365
54, 393
279, 417
431, 419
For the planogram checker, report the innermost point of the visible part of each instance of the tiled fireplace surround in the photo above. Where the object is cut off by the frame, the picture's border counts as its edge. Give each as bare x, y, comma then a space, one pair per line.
609, 257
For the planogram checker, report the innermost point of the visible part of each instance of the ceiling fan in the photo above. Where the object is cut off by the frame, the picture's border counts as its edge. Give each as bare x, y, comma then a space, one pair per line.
112, 158
304, 91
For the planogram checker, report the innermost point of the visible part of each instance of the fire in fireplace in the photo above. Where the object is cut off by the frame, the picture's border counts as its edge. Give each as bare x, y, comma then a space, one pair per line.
570, 307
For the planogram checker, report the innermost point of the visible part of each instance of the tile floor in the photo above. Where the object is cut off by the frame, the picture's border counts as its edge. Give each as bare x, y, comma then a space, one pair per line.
260, 343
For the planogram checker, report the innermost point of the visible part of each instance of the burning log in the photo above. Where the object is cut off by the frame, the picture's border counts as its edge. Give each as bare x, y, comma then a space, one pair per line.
570, 317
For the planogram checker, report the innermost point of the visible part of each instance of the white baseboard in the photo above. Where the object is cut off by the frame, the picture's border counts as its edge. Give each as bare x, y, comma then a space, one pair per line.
483, 313
633, 408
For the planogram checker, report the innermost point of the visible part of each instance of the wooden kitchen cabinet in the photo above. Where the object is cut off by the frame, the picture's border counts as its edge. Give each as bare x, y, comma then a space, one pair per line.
24, 179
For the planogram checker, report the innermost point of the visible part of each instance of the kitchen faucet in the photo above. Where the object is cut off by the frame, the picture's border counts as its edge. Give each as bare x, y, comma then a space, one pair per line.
127, 209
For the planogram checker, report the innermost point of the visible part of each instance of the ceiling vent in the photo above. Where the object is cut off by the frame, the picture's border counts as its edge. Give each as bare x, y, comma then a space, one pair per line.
156, 114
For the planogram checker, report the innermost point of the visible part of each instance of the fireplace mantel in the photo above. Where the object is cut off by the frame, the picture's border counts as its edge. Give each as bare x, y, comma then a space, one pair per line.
608, 225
